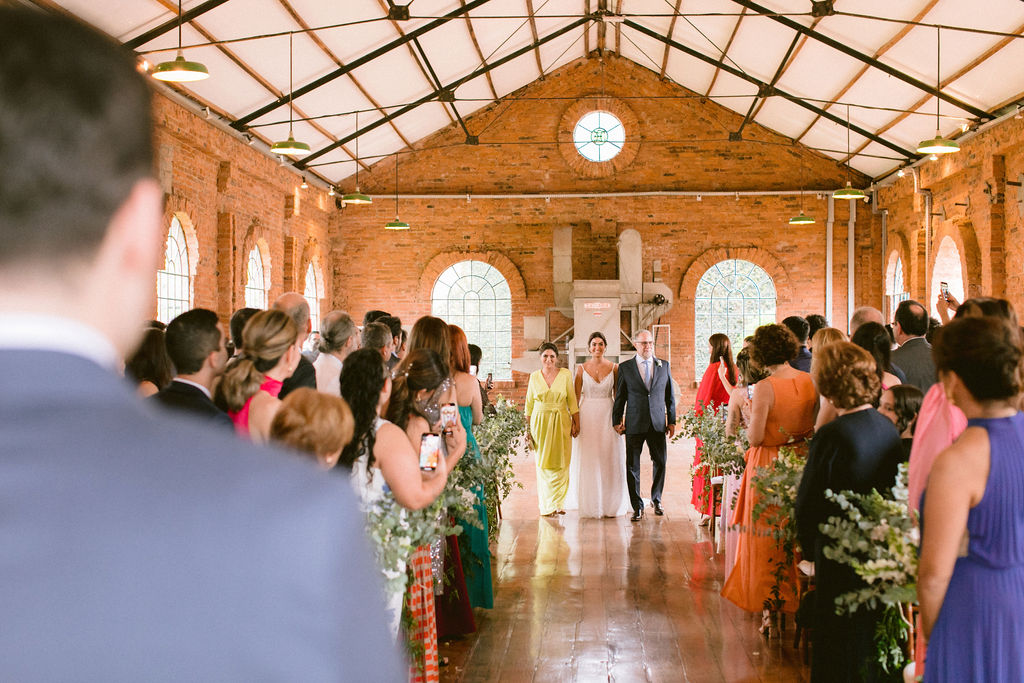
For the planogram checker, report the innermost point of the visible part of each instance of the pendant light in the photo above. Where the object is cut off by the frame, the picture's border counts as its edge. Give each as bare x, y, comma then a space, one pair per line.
358, 197
801, 219
938, 144
848, 192
396, 224
179, 70
290, 147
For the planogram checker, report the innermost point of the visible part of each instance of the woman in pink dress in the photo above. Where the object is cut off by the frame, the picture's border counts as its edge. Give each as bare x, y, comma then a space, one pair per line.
271, 349
711, 394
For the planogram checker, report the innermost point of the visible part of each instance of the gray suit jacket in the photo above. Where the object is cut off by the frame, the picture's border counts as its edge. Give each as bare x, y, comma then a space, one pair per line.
140, 547
645, 410
914, 357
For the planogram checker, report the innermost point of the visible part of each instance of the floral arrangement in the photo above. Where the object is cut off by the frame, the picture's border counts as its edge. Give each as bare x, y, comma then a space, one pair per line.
877, 538
719, 454
501, 435
774, 506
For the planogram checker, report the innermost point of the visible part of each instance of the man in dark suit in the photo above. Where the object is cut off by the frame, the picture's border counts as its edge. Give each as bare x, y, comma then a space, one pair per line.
644, 396
914, 356
195, 342
136, 546
800, 329
297, 308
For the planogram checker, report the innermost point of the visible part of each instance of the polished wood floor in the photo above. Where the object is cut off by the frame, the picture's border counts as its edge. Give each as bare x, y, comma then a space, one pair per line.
609, 600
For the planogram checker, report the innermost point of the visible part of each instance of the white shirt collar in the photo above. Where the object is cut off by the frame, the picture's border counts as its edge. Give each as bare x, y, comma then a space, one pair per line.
197, 385
41, 332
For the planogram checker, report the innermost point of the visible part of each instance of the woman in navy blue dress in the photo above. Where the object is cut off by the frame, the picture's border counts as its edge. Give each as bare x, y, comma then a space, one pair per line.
971, 575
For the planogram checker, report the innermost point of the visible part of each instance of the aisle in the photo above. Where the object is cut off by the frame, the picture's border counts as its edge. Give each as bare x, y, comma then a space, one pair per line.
608, 600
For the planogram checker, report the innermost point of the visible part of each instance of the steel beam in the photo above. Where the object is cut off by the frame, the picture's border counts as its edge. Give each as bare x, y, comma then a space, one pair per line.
167, 26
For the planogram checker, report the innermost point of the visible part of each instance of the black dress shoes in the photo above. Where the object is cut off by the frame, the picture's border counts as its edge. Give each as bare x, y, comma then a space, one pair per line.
657, 509
637, 515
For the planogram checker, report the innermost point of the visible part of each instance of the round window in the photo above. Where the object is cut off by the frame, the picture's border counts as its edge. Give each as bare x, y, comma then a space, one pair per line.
599, 136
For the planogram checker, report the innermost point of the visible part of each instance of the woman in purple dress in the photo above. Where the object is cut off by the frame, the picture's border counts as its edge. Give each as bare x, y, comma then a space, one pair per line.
971, 575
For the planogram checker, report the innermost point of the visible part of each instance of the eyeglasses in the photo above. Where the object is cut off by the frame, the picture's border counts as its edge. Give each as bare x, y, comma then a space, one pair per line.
645, 343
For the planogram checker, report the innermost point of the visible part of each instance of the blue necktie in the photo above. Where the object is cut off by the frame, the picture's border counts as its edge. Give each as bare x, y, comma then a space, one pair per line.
647, 374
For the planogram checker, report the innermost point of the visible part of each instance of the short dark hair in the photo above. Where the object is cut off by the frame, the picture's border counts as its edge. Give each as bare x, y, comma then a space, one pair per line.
373, 316
912, 317
798, 326
150, 362
548, 346
394, 324
81, 115
773, 344
596, 335
237, 323
476, 354
985, 353
376, 336
191, 338
816, 322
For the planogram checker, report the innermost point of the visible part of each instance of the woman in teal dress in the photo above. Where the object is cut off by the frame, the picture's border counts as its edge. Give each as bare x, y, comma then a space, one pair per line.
473, 544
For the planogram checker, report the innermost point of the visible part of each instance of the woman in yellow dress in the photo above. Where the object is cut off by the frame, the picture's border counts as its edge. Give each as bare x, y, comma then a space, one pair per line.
553, 415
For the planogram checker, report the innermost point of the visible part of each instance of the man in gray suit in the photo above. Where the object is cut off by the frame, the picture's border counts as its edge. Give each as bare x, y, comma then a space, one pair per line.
914, 356
645, 411
138, 547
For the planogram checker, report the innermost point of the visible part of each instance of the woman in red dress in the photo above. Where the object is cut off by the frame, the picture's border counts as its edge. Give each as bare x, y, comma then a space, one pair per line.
711, 394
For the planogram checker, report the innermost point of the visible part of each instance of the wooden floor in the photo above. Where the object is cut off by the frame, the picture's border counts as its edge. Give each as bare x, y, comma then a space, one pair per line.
610, 600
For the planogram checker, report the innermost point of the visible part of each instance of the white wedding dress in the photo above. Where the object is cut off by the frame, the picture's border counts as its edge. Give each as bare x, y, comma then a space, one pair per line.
597, 470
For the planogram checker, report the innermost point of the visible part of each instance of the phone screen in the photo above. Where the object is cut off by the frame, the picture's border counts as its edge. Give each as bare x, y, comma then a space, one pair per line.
430, 451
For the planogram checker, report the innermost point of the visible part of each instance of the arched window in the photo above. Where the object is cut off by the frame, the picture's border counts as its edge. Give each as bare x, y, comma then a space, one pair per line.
734, 297
949, 269
314, 291
476, 297
896, 291
255, 285
173, 285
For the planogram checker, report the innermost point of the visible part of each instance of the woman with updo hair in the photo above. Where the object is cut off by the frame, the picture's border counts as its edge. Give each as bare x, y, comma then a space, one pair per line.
252, 381
339, 337
971, 573
781, 413
553, 418
859, 450
873, 338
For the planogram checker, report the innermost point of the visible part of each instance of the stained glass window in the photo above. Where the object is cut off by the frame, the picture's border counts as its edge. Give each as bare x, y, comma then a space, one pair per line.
476, 297
313, 293
173, 284
599, 136
734, 297
255, 285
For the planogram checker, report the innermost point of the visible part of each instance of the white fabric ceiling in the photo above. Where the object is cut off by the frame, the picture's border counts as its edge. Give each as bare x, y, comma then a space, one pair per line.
980, 67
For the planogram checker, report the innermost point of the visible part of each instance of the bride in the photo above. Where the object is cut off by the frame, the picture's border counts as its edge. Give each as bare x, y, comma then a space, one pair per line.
597, 470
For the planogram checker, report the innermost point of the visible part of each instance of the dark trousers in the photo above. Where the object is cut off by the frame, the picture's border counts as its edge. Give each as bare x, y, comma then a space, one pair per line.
634, 446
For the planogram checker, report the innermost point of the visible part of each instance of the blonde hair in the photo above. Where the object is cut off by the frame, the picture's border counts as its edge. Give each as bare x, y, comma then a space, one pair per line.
313, 423
826, 336
266, 338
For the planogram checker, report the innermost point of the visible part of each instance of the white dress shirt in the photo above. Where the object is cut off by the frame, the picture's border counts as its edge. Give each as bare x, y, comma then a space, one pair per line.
328, 372
40, 332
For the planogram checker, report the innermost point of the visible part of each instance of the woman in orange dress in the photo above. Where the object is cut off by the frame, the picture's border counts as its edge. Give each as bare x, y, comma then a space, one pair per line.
712, 394
782, 413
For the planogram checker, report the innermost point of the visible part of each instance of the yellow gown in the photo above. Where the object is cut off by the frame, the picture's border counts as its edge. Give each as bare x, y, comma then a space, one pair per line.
550, 410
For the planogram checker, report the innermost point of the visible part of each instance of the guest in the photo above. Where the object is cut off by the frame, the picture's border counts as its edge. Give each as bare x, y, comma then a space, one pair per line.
826, 411
315, 424
373, 316
815, 322
195, 342
739, 402
394, 323
377, 336
914, 356
597, 476
297, 308
430, 333
781, 414
553, 417
235, 326
933, 327
712, 394
384, 461
873, 338
858, 451
972, 605
476, 355
865, 314
901, 405
252, 381
825, 336
800, 329
338, 339
403, 346
150, 367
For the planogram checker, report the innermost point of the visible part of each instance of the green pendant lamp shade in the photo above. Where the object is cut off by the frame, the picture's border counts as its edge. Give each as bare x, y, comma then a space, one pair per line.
396, 224
848, 192
802, 219
358, 197
938, 144
179, 69
290, 147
